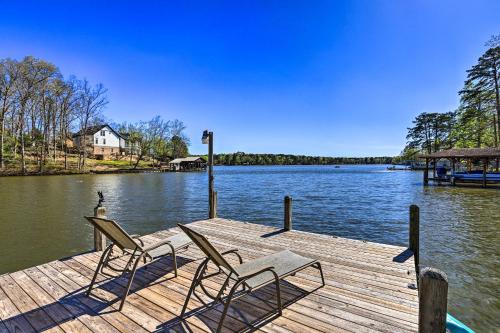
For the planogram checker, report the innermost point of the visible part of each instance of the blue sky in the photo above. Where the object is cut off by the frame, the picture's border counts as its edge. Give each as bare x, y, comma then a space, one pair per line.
332, 78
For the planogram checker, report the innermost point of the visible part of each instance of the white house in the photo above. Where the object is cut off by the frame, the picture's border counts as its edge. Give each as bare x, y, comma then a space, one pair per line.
101, 141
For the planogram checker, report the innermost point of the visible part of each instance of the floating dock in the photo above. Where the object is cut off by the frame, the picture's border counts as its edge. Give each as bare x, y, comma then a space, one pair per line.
367, 289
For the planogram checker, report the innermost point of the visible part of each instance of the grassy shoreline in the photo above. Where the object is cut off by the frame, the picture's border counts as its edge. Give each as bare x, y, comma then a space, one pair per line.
57, 167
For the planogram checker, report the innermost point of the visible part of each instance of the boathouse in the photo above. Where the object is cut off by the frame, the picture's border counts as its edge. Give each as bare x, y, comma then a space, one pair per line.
468, 165
192, 163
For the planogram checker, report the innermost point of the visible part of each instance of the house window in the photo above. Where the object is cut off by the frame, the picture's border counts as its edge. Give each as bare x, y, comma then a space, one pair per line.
111, 150
102, 150
103, 141
96, 141
103, 133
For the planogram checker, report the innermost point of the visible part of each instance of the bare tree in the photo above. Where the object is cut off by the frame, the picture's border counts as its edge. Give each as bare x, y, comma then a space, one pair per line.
33, 73
91, 102
8, 78
66, 101
150, 134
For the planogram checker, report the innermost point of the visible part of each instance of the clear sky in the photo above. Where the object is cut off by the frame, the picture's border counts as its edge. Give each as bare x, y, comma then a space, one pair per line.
331, 78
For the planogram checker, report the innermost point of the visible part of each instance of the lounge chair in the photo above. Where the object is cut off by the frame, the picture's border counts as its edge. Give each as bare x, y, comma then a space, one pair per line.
250, 275
132, 246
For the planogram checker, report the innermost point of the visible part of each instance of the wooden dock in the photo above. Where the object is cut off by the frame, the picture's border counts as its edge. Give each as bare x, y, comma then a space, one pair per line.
368, 289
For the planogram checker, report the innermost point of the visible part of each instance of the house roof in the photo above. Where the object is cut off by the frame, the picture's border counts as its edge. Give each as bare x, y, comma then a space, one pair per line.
465, 153
187, 159
94, 129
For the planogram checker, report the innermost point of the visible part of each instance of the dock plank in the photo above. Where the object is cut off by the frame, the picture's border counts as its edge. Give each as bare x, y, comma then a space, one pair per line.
366, 289
36, 316
56, 311
11, 317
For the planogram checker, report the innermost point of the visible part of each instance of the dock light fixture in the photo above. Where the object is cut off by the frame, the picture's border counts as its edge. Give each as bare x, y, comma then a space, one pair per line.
205, 137
208, 138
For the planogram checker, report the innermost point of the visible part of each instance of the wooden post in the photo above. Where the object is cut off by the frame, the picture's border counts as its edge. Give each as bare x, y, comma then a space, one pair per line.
495, 130
288, 213
485, 170
210, 173
99, 239
213, 210
426, 172
453, 167
414, 235
434, 168
433, 301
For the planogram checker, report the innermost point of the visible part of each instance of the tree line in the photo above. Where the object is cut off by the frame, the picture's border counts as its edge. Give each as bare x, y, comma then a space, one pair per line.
476, 121
40, 109
241, 158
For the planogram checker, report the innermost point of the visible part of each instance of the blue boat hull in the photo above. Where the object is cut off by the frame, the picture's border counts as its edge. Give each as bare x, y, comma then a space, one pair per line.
456, 326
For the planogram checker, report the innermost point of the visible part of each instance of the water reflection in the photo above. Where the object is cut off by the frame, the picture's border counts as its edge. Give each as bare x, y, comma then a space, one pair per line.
41, 217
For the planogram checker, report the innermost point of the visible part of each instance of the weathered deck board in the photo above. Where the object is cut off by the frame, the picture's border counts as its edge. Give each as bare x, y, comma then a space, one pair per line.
366, 289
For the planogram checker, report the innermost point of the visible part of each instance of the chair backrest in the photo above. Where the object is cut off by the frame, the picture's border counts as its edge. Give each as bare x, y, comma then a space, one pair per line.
207, 248
113, 232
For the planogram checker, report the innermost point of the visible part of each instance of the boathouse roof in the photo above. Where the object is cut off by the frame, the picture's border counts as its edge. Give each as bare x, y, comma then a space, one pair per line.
188, 159
465, 153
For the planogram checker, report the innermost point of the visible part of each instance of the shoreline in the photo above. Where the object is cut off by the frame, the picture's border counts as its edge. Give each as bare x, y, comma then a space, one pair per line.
90, 172
145, 170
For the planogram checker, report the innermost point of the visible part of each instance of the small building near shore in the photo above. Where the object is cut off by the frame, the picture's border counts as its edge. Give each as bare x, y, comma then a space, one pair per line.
192, 163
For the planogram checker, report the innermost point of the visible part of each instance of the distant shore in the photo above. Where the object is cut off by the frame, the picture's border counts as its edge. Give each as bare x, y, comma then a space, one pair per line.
241, 158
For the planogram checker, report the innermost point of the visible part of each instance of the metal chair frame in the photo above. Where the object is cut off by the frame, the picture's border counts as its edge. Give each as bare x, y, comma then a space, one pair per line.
138, 253
239, 281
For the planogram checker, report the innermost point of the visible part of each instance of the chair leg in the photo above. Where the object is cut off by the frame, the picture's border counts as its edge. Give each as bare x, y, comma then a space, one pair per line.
106, 260
174, 258
99, 266
129, 284
278, 296
226, 305
196, 278
221, 291
130, 261
318, 266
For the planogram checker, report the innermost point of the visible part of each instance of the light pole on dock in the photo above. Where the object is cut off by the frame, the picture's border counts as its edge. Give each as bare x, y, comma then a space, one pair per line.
208, 138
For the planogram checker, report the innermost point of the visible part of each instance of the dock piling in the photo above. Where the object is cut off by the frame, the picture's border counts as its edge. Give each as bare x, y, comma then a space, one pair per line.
414, 234
99, 239
433, 300
288, 213
426, 172
485, 171
213, 208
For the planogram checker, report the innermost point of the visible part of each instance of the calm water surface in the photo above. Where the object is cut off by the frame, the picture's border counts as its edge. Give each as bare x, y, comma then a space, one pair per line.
41, 217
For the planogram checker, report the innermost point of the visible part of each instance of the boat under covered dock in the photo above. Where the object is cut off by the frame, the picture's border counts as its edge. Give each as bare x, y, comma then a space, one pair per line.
487, 159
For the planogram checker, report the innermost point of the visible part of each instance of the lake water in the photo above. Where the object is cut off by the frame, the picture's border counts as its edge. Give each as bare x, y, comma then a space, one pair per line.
41, 217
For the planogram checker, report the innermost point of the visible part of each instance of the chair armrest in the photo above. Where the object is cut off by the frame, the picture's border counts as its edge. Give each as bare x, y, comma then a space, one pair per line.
258, 271
156, 245
235, 252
